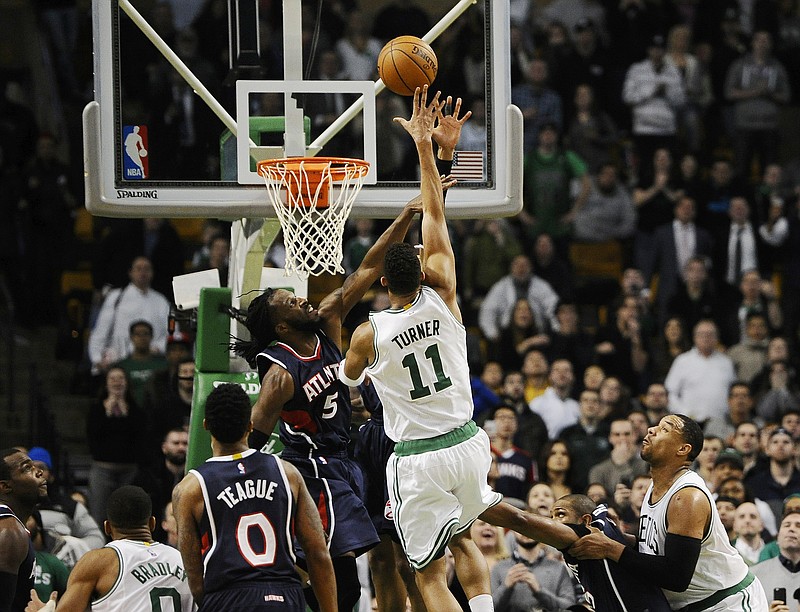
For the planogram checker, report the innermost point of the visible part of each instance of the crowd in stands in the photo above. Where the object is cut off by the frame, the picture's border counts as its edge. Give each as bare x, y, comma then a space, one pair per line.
653, 130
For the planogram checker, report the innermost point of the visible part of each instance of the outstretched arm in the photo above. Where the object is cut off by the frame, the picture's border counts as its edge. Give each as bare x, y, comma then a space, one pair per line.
360, 354
277, 388
439, 260
688, 517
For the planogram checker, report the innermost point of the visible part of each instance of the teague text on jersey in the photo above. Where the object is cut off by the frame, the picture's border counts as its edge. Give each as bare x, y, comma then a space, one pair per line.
249, 489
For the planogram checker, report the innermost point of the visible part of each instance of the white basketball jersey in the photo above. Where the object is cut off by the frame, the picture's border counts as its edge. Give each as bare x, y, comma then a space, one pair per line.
420, 370
151, 578
719, 567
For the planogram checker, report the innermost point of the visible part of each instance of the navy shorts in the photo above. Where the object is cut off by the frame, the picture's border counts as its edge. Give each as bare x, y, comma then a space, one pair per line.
278, 597
372, 452
336, 484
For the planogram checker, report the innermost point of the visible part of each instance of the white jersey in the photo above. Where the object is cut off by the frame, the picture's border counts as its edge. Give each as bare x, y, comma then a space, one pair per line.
719, 567
151, 577
420, 370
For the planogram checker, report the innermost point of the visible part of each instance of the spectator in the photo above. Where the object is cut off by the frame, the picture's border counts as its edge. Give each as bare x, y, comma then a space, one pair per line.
68, 530
791, 505
535, 371
591, 133
783, 394
671, 343
552, 267
160, 476
621, 347
496, 310
50, 572
164, 382
754, 295
608, 212
548, 174
758, 85
726, 507
629, 500
654, 90
698, 380
514, 466
484, 398
736, 246
733, 487
358, 49
750, 354
624, 462
488, 254
555, 406
740, 410
745, 442
674, 245
689, 179
116, 429
779, 477
656, 402
654, 196
520, 336
695, 298
539, 104
638, 419
570, 341
777, 350
176, 407
696, 84
531, 431
587, 439
747, 525
109, 340
707, 459
615, 399
142, 364
780, 571
574, 12
555, 462
357, 246
490, 541
529, 579
714, 198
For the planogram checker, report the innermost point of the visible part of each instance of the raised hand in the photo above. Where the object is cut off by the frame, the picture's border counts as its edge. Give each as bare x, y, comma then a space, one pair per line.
448, 127
423, 118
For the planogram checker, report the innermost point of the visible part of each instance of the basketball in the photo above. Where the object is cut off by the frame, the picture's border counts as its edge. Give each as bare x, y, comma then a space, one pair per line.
405, 63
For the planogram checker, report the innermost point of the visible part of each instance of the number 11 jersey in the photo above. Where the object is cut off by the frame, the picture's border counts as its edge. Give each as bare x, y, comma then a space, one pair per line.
420, 369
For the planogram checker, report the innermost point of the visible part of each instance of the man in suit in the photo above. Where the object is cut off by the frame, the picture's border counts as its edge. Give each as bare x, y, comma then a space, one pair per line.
674, 244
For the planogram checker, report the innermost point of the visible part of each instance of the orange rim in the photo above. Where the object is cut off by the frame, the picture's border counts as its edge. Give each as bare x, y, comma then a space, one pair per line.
339, 167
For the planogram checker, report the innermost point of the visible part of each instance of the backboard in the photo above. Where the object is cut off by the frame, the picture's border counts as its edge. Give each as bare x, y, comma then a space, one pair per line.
174, 131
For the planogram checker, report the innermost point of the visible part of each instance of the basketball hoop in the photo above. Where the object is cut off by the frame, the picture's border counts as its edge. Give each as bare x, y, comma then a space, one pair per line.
312, 214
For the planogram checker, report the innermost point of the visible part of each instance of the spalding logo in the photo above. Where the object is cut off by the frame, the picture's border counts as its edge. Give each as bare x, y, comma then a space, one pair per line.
387, 511
425, 57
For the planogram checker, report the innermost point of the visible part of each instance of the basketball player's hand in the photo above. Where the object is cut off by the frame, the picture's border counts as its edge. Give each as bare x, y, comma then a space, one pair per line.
36, 604
448, 127
423, 117
596, 545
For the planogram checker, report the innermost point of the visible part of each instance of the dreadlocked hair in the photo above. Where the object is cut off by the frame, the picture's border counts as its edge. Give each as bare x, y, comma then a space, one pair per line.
261, 327
402, 268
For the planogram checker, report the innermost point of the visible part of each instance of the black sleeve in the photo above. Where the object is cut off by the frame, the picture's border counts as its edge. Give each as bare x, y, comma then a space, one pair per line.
444, 166
672, 571
258, 439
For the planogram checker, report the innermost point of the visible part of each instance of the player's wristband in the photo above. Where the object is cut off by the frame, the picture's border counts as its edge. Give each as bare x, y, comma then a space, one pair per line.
258, 439
350, 382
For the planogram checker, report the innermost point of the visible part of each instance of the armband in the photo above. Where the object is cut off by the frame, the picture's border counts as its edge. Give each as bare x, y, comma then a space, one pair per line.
257, 440
350, 382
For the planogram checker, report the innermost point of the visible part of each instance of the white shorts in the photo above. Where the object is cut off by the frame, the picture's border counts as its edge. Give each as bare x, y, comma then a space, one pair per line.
750, 599
439, 493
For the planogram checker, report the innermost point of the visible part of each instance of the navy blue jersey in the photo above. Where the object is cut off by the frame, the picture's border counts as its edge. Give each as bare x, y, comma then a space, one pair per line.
317, 418
514, 473
246, 532
25, 575
609, 587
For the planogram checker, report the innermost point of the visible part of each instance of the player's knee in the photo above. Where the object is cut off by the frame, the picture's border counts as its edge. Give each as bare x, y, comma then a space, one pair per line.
405, 570
348, 587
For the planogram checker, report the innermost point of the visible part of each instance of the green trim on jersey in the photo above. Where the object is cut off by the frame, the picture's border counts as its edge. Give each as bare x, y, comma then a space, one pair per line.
446, 440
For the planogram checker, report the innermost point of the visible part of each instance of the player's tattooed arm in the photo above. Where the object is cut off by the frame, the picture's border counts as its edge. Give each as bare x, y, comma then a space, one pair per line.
277, 388
187, 504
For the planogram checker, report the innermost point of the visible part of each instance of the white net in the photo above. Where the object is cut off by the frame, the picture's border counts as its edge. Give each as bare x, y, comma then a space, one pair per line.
312, 230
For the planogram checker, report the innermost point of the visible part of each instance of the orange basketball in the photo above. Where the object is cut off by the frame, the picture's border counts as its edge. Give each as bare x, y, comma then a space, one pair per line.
405, 63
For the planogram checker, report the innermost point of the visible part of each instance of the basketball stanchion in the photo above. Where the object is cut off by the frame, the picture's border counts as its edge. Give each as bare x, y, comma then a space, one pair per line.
313, 197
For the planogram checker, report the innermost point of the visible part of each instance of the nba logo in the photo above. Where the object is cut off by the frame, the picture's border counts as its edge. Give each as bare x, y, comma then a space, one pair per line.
134, 152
